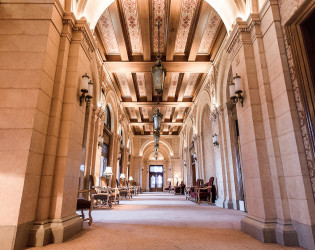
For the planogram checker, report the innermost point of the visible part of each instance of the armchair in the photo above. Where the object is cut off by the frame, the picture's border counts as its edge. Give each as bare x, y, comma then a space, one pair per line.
83, 204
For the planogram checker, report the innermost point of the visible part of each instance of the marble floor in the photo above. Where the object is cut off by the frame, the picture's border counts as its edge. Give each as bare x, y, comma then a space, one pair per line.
163, 221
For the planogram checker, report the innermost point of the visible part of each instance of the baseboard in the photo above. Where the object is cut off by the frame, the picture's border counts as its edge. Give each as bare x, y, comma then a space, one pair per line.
260, 230
306, 234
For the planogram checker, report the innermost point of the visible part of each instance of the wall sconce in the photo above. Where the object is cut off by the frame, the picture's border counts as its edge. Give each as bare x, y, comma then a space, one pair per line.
215, 140
236, 90
86, 90
185, 163
100, 141
194, 156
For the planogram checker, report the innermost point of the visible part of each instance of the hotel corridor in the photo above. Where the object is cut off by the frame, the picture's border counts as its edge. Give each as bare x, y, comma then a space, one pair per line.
163, 221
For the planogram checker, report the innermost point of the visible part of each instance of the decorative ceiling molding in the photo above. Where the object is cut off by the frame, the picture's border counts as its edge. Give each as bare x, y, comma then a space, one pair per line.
131, 19
141, 84
159, 13
107, 30
191, 84
173, 84
122, 79
187, 16
212, 26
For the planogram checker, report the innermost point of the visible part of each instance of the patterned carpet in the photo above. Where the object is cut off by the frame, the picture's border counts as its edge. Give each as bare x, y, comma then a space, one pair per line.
163, 221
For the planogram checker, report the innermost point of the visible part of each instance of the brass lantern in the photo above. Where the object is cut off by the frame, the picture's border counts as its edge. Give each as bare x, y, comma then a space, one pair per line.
156, 137
158, 76
157, 118
158, 70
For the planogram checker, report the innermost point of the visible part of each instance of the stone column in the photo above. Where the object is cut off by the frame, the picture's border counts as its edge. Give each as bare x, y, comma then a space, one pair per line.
64, 220
30, 47
260, 221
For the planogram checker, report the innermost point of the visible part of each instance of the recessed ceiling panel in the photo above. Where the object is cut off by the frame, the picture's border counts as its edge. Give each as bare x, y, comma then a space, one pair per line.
173, 84
187, 16
212, 26
159, 13
107, 30
122, 79
141, 84
191, 84
131, 18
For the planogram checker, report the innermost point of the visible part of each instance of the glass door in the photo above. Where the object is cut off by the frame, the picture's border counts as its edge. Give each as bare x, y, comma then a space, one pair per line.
156, 178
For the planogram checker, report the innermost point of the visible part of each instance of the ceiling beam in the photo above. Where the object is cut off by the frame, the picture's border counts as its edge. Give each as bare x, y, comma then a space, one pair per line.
144, 22
131, 86
148, 85
150, 113
154, 104
117, 24
174, 117
151, 123
174, 18
166, 87
190, 67
183, 87
199, 85
201, 25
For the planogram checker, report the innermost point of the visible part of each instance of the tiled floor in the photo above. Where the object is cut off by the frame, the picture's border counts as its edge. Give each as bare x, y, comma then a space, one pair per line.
163, 221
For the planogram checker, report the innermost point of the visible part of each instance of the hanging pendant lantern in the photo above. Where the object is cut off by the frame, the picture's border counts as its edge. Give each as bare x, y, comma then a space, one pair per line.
157, 118
158, 76
156, 137
158, 70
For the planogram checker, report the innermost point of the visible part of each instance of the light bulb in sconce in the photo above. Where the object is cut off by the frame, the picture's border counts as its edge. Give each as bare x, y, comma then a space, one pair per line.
215, 140
236, 90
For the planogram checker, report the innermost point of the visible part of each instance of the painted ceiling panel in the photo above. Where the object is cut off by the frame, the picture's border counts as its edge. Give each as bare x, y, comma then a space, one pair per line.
212, 26
159, 13
130, 11
173, 84
187, 16
191, 84
122, 79
141, 84
107, 30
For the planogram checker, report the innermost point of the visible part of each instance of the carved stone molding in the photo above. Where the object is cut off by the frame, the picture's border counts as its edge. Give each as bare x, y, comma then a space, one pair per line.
215, 113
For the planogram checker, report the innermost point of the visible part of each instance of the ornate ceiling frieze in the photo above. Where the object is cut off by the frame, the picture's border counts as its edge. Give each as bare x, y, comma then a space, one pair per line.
131, 18
187, 16
107, 30
159, 13
212, 26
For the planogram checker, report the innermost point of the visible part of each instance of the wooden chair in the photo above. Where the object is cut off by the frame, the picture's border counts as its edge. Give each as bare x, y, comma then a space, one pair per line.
84, 204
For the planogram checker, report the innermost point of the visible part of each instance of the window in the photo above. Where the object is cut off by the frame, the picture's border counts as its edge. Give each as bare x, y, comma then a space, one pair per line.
108, 117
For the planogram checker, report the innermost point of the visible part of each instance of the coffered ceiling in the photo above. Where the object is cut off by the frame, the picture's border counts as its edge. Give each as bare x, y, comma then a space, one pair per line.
191, 33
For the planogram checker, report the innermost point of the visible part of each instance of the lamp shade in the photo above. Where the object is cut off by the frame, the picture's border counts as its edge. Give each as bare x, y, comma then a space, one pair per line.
238, 84
108, 171
157, 118
169, 179
176, 176
130, 178
90, 89
232, 90
85, 82
158, 76
122, 176
214, 139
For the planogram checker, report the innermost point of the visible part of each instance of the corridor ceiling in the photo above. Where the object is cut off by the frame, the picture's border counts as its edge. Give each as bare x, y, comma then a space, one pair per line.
191, 35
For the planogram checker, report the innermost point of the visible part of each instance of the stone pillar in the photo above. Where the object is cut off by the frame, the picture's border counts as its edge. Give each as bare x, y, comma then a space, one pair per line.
30, 44
64, 220
260, 221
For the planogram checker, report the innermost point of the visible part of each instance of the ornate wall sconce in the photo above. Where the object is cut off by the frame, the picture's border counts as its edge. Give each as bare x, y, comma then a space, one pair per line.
86, 90
215, 140
185, 163
236, 90
100, 141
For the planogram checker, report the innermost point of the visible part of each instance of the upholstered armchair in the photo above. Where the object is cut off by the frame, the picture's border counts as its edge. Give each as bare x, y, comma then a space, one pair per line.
168, 188
204, 193
103, 195
192, 192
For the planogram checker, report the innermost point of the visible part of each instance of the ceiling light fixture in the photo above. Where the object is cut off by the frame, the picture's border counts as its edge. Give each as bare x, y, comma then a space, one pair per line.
158, 76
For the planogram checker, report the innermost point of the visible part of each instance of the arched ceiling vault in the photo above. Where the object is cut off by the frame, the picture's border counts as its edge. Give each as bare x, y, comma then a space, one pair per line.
192, 32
